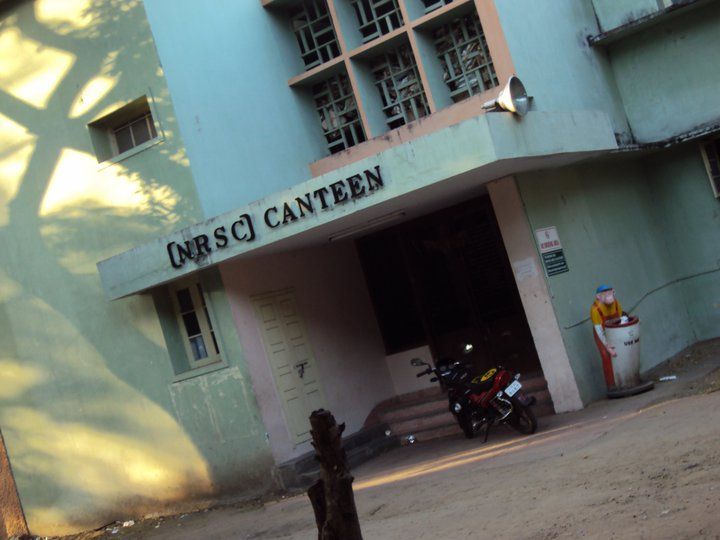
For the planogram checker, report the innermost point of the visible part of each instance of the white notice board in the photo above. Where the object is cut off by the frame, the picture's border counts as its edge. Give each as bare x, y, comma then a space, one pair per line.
551, 251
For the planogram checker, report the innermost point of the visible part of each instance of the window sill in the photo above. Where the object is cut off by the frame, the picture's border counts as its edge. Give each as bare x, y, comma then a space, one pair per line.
199, 372
130, 153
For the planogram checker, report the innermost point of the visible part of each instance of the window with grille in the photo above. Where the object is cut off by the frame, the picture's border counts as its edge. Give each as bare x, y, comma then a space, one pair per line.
465, 57
195, 323
134, 133
401, 91
711, 157
314, 32
431, 5
377, 17
338, 113
124, 130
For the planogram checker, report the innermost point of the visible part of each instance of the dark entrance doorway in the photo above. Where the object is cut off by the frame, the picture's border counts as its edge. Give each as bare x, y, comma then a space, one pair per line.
445, 280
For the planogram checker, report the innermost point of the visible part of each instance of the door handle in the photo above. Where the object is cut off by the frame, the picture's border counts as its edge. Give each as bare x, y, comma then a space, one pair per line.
301, 368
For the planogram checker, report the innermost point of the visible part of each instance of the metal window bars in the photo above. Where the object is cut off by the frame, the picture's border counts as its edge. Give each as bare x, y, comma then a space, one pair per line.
314, 32
134, 133
463, 51
431, 5
397, 80
338, 113
201, 344
209, 320
377, 17
193, 326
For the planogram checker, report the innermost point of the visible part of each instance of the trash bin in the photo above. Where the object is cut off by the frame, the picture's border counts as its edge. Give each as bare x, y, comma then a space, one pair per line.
624, 335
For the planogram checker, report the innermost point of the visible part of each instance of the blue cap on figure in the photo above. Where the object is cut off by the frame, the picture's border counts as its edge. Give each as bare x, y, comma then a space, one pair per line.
603, 288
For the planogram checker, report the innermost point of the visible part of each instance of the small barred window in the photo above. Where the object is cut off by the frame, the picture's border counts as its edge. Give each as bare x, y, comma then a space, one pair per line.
337, 110
314, 32
465, 57
377, 17
398, 82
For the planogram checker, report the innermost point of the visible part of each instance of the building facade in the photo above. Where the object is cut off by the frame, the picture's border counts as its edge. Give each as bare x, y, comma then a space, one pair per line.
216, 221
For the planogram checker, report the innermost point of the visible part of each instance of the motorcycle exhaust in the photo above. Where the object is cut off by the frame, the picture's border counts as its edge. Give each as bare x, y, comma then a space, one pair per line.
505, 411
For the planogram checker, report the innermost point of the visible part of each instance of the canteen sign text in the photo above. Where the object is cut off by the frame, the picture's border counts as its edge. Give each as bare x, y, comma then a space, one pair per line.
244, 227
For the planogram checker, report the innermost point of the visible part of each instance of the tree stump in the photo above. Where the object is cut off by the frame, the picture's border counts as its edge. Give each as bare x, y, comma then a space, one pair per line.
332, 496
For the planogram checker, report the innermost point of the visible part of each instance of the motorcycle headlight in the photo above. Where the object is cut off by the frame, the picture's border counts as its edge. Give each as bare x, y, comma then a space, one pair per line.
457, 407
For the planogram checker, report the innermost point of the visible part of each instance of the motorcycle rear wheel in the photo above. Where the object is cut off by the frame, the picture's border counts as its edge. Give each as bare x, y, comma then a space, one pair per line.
523, 419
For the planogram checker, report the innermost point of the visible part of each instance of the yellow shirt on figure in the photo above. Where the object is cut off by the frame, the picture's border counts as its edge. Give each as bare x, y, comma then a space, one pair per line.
600, 312
605, 307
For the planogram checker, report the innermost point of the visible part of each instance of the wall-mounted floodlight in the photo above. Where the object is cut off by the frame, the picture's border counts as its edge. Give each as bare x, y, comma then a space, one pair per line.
512, 98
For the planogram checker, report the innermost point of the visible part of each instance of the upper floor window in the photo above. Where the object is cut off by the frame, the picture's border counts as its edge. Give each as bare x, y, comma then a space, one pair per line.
377, 17
465, 57
400, 60
431, 5
314, 32
401, 91
134, 132
337, 110
128, 128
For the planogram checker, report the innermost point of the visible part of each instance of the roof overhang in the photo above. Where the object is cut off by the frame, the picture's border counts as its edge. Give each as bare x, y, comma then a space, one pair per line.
407, 180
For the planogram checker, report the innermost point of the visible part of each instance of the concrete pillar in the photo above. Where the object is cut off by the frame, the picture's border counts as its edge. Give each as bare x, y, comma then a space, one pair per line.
520, 245
12, 518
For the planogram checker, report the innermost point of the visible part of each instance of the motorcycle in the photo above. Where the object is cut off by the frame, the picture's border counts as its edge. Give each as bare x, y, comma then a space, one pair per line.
480, 402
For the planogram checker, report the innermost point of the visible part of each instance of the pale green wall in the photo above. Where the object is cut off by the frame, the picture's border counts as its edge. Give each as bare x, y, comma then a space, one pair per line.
638, 224
548, 44
247, 133
95, 428
217, 407
689, 217
668, 75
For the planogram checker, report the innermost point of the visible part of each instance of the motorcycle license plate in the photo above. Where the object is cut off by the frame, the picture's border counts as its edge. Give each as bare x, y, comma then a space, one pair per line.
513, 388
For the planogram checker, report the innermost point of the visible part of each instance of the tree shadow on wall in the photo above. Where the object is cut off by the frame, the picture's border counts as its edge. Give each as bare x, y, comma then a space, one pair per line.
85, 408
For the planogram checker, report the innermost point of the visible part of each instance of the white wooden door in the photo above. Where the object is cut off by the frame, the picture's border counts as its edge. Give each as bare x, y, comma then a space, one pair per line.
291, 359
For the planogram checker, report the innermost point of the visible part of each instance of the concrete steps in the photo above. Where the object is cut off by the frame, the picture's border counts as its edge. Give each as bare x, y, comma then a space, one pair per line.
417, 424
449, 430
424, 415
427, 417
433, 406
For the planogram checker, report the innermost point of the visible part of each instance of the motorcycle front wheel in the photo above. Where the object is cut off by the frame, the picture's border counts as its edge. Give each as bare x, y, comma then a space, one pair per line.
522, 419
466, 425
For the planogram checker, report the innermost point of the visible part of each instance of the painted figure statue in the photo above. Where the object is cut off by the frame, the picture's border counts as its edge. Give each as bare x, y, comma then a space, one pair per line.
605, 307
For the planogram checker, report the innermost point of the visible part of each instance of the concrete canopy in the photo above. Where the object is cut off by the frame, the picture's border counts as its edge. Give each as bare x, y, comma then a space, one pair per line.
416, 177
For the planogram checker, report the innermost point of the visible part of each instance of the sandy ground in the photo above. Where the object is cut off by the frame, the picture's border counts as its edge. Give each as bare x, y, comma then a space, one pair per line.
641, 467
